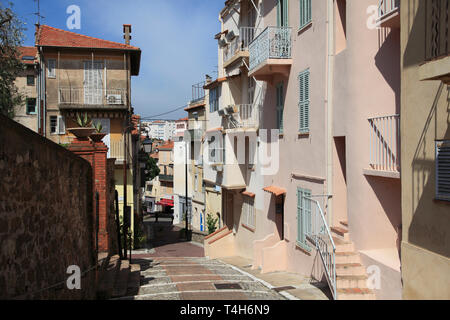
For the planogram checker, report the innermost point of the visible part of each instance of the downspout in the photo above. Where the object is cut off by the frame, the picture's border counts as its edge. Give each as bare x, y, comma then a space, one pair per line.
329, 102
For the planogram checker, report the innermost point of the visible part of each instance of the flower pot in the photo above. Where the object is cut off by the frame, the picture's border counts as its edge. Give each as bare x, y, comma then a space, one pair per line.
81, 132
97, 137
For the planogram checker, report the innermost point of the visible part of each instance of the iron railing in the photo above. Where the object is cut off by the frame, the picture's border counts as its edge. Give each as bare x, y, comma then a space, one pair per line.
437, 22
320, 235
243, 116
385, 7
385, 143
89, 96
272, 43
240, 42
198, 92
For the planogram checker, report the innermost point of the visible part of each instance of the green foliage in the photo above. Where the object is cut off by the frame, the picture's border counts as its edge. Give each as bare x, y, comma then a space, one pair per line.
151, 169
98, 127
211, 223
83, 120
11, 39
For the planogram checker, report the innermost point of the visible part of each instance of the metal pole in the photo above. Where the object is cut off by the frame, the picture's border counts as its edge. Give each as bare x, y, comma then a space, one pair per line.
119, 240
186, 182
125, 231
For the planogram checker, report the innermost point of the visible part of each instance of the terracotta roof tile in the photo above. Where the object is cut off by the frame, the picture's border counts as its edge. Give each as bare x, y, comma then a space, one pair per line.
28, 52
277, 191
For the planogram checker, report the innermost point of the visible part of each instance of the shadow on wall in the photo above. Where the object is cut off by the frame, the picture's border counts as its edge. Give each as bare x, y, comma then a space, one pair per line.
429, 228
388, 66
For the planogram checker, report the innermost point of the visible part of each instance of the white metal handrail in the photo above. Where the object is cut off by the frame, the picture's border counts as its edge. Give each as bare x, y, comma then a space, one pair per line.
387, 6
385, 143
320, 235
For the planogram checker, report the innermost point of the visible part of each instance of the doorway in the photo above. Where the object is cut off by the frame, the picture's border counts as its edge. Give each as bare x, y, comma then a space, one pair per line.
339, 181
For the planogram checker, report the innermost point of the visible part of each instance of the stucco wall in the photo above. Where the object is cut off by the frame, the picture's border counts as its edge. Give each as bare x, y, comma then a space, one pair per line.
46, 222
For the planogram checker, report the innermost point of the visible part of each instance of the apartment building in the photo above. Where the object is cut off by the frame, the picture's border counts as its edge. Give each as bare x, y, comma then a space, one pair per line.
27, 82
180, 127
86, 75
425, 153
164, 182
160, 129
325, 76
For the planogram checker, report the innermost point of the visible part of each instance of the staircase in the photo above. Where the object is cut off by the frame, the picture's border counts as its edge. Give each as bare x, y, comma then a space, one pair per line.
351, 276
117, 278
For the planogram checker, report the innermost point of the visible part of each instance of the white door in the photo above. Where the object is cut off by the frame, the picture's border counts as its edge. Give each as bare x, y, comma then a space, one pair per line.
106, 124
93, 82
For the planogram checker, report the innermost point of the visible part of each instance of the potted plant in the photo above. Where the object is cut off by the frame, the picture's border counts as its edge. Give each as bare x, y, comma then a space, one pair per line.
85, 128
97, 136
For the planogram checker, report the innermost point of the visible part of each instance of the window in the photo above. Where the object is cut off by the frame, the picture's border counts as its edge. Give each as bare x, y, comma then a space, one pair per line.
443, 170
31, 106
305, 13
53, 124
196, 183
214, 95
282, 13
303, 217
30, 80
280, 106
248, 212
51, 65
251, 90
303, 103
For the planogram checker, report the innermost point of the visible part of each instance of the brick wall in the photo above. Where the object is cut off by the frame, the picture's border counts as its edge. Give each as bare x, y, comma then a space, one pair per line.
46, 217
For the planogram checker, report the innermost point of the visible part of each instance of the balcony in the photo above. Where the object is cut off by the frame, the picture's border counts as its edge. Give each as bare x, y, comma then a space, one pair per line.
270, 53
238, 47
198, 93
242, 116
437, 47
87, 98
384, 146
388, 14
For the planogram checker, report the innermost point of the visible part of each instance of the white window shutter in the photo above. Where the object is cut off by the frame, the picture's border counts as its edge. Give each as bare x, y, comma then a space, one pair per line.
61, 125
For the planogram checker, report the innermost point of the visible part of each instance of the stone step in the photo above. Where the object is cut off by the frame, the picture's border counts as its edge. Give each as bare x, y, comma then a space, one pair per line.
134, 280
340, 233
350, 269
355, 294
107, 278
347, 257
343, 246
121, 284
348, 282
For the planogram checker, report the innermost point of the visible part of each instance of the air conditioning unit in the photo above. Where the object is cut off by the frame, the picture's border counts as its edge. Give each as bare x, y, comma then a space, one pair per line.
114, 99
222, 43
230, 36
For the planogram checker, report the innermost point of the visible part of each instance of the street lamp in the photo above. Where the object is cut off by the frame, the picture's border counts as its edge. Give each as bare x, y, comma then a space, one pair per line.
147, 143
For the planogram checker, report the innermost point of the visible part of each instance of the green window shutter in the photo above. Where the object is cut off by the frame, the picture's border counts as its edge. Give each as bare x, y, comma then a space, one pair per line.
303, 103
280, 106
282, 13
305, 12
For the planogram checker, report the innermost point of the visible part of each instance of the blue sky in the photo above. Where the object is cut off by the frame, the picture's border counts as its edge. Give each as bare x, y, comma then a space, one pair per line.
176, 38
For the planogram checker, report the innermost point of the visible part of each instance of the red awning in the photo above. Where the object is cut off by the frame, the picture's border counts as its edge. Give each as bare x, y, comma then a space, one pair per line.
166, 203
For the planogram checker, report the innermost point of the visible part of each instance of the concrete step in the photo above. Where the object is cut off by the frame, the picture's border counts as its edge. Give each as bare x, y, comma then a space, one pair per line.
121, 284
134, 280
344, 224
343, 246
107, 278
347, 257
355, 294
348, 282
340, 233
350, 269
102, 261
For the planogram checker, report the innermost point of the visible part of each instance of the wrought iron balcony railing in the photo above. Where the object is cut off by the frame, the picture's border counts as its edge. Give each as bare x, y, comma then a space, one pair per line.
240, 42
272, 43
89, 96
385, 7
385, 143
243, 116
198, 93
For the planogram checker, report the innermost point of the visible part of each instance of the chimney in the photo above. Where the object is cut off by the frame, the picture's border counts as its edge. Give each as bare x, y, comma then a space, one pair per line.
127, 33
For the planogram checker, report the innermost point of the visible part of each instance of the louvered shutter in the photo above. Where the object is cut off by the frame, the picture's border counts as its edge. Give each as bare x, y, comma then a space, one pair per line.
443, 170
304, 88
305, 12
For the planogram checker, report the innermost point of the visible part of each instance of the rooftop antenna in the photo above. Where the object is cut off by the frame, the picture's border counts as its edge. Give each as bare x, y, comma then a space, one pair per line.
38, 13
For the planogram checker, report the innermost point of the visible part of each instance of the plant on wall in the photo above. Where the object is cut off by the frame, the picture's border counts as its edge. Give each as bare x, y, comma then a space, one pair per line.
83, 120
98, 127
211, 223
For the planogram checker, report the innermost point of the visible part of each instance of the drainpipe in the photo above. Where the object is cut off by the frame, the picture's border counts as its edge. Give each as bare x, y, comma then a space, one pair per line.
329, 102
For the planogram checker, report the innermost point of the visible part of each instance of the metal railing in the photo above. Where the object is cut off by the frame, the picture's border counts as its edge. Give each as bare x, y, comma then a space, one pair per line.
89, 96
272, 43
320, 235
240, 42
385, 143
198, 93
437, 23
387, 6
244, 116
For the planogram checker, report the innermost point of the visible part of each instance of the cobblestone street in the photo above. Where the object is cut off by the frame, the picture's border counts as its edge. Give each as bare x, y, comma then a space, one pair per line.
173, 269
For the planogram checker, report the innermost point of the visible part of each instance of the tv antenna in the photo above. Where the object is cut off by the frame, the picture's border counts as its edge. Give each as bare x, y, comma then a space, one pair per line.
38, 13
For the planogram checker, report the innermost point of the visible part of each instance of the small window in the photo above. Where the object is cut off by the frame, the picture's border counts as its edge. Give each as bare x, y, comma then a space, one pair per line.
443, 170
53, 124
214, 95
248, 212
31, 106
305, 13
30, 80
303, 217
51, 68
